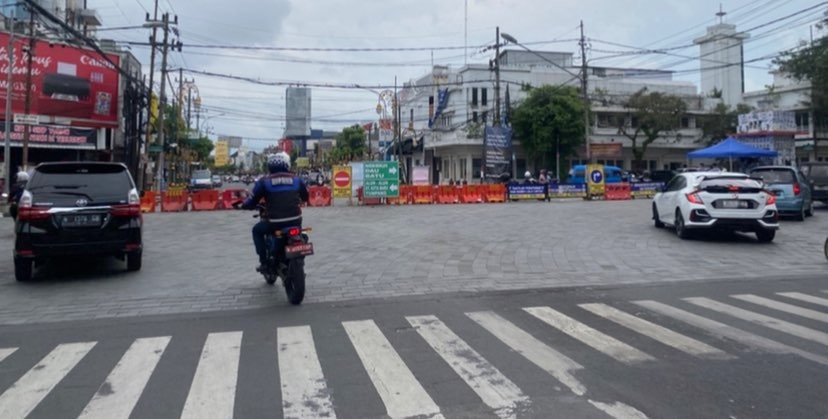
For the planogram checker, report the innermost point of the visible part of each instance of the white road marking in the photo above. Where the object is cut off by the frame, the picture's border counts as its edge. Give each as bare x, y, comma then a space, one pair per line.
805, 297
118, 395
496, 391
785, 307
619, 410
761, 319
399, 390
601, 342
24, 395
304, 390
213, 390
555, 363
5, 352
724, 331
654, 331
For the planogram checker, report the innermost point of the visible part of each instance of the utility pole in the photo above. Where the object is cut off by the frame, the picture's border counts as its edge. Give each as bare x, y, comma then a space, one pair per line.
584, 77
8, 119
27, 105
497, 77
145, 158
189, 103
159, 172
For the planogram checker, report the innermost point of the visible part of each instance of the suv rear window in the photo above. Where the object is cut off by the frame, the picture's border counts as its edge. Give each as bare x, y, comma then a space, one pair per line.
775, 175
816, 171
98, 183
730, 185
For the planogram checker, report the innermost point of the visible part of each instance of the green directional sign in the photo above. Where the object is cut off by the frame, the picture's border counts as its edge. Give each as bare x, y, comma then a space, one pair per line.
381, 179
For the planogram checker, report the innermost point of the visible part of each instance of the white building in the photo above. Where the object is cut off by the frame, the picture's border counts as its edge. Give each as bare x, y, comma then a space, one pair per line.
721, 61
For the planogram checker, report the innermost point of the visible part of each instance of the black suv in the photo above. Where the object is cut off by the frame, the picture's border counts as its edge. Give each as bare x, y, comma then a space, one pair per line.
77, 209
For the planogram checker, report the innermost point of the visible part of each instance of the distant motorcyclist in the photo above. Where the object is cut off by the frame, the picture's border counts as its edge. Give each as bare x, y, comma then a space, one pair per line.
283, 193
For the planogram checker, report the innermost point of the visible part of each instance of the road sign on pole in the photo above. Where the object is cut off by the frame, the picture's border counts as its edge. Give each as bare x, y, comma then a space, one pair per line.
342, 181
381, 179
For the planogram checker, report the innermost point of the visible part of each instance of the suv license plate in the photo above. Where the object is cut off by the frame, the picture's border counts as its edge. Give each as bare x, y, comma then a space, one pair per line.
734, 204
91, 220
300, 249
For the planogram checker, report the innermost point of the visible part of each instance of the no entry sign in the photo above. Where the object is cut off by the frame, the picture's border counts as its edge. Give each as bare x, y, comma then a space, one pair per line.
342, 181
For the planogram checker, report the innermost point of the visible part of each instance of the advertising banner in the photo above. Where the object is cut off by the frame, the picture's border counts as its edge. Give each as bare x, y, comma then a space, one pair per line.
67, 81
605, 150
497, 146
645, 189
54, 136
420, 175
567, 190
222, 152
518, 192
595, 179
341, 181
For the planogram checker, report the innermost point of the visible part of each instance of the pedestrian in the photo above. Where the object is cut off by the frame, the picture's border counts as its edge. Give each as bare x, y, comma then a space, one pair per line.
543, 177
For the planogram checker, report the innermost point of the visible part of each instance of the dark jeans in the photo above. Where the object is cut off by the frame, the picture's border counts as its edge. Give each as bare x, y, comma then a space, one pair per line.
263, 228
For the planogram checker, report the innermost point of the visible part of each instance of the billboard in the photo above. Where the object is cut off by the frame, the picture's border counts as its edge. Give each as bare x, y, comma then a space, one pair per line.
54, 136
497, 146
221, 152
67, 82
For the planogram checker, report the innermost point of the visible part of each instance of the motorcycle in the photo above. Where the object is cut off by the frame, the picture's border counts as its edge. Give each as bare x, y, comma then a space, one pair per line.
286, 250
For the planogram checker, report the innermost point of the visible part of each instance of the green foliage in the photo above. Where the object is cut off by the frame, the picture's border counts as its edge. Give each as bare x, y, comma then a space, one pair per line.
202, 146
350, 145
722, 122
548, 116
652, 114
811, 63
474, 130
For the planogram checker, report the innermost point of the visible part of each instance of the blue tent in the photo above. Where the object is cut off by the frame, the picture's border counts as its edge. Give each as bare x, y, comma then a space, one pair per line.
730, 148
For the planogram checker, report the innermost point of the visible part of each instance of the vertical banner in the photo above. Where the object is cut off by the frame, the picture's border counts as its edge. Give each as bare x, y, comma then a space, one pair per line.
497, 151
341, 181
420, 176
222, 152
595, 179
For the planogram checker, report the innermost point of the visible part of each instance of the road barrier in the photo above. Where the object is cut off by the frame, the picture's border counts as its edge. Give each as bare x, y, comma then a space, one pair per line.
319, 196
471, 194
617, 191
495, 192
423, 194
174, 200
205, 200
148, 201
447, 194
230, 196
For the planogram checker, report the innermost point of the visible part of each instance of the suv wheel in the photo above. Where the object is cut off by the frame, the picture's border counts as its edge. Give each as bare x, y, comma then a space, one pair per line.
23, 269
681, 231
765, 236
134, 261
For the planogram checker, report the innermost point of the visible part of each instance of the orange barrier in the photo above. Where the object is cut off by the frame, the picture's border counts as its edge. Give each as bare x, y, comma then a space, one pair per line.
174, 200
447, 194
617, 191
148, 201
401, 198
205, 200
422, 194
494, 192
471, 194
229, 196
319, 196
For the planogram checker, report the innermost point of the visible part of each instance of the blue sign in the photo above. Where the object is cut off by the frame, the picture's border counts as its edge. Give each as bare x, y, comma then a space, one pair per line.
596, 176
516, 191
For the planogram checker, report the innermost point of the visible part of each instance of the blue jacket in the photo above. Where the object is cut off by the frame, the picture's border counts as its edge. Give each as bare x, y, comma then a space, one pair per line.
283, 194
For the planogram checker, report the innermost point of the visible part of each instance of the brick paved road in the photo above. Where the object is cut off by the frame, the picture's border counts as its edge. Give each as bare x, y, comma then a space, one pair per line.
204, 261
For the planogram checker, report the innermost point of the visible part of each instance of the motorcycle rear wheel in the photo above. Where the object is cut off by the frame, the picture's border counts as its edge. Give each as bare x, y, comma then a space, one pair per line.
295, 281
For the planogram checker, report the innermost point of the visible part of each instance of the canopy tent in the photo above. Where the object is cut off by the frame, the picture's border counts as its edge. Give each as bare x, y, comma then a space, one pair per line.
730, 148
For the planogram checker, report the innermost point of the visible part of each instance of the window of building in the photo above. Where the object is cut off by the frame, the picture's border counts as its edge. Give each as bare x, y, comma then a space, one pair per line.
474, 117
476, 167
485, 117
445, 121
463, 170
484, 97
474, 96
609, 120
446, 170
685, 122
803, 121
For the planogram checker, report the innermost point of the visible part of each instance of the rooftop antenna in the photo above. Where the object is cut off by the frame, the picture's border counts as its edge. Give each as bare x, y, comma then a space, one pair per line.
721, 14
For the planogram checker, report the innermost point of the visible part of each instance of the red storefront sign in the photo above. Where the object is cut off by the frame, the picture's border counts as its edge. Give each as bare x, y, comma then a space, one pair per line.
67, 82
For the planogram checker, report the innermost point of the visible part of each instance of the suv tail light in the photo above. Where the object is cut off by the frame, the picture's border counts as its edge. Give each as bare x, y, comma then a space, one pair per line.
26, 211
693, 197
771, 198
796, 189
133, 197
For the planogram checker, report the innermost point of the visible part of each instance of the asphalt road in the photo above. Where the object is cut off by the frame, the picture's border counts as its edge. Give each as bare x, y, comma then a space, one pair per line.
695, 349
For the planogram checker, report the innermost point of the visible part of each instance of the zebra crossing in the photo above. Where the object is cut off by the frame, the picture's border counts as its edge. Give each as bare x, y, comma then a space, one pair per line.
693, 327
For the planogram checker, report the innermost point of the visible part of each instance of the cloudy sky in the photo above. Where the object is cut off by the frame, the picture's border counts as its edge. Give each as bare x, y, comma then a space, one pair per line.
427, 31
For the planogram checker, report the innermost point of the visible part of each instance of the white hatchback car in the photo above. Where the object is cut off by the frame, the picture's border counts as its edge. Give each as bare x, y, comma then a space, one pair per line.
717, 201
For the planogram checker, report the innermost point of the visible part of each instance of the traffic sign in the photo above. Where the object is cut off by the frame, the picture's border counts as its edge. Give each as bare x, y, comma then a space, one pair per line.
342, 181
597, 176
381, 179
595, 180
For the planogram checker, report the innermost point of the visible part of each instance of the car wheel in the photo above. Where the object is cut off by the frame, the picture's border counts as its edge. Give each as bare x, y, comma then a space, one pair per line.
681, 230
656, 220
134, 261
810, 211
801, 215
825, 248
765, 236
23, 269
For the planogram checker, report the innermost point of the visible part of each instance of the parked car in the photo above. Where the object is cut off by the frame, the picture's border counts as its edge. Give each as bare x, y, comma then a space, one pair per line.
791, 188
77, 209
201, 179
663, 176
716, 201
216, 181
817, 174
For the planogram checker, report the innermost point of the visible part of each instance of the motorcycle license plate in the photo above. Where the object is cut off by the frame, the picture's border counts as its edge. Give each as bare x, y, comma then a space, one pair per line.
299, 249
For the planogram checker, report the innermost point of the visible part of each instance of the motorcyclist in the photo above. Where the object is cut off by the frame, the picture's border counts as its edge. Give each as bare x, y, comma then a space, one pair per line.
17, 191
283, 194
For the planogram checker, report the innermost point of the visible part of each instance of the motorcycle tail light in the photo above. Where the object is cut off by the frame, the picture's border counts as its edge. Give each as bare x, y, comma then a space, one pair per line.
294, 231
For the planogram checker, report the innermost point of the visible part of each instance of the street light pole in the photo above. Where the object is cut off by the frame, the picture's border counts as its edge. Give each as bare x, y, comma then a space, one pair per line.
7, 144
162, 100
28, 101
584, 77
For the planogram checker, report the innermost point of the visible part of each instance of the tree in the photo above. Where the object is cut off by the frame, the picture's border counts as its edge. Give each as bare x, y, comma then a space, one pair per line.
202, 146
651, 114
350, 144
811, 64
721, 123
549, 116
